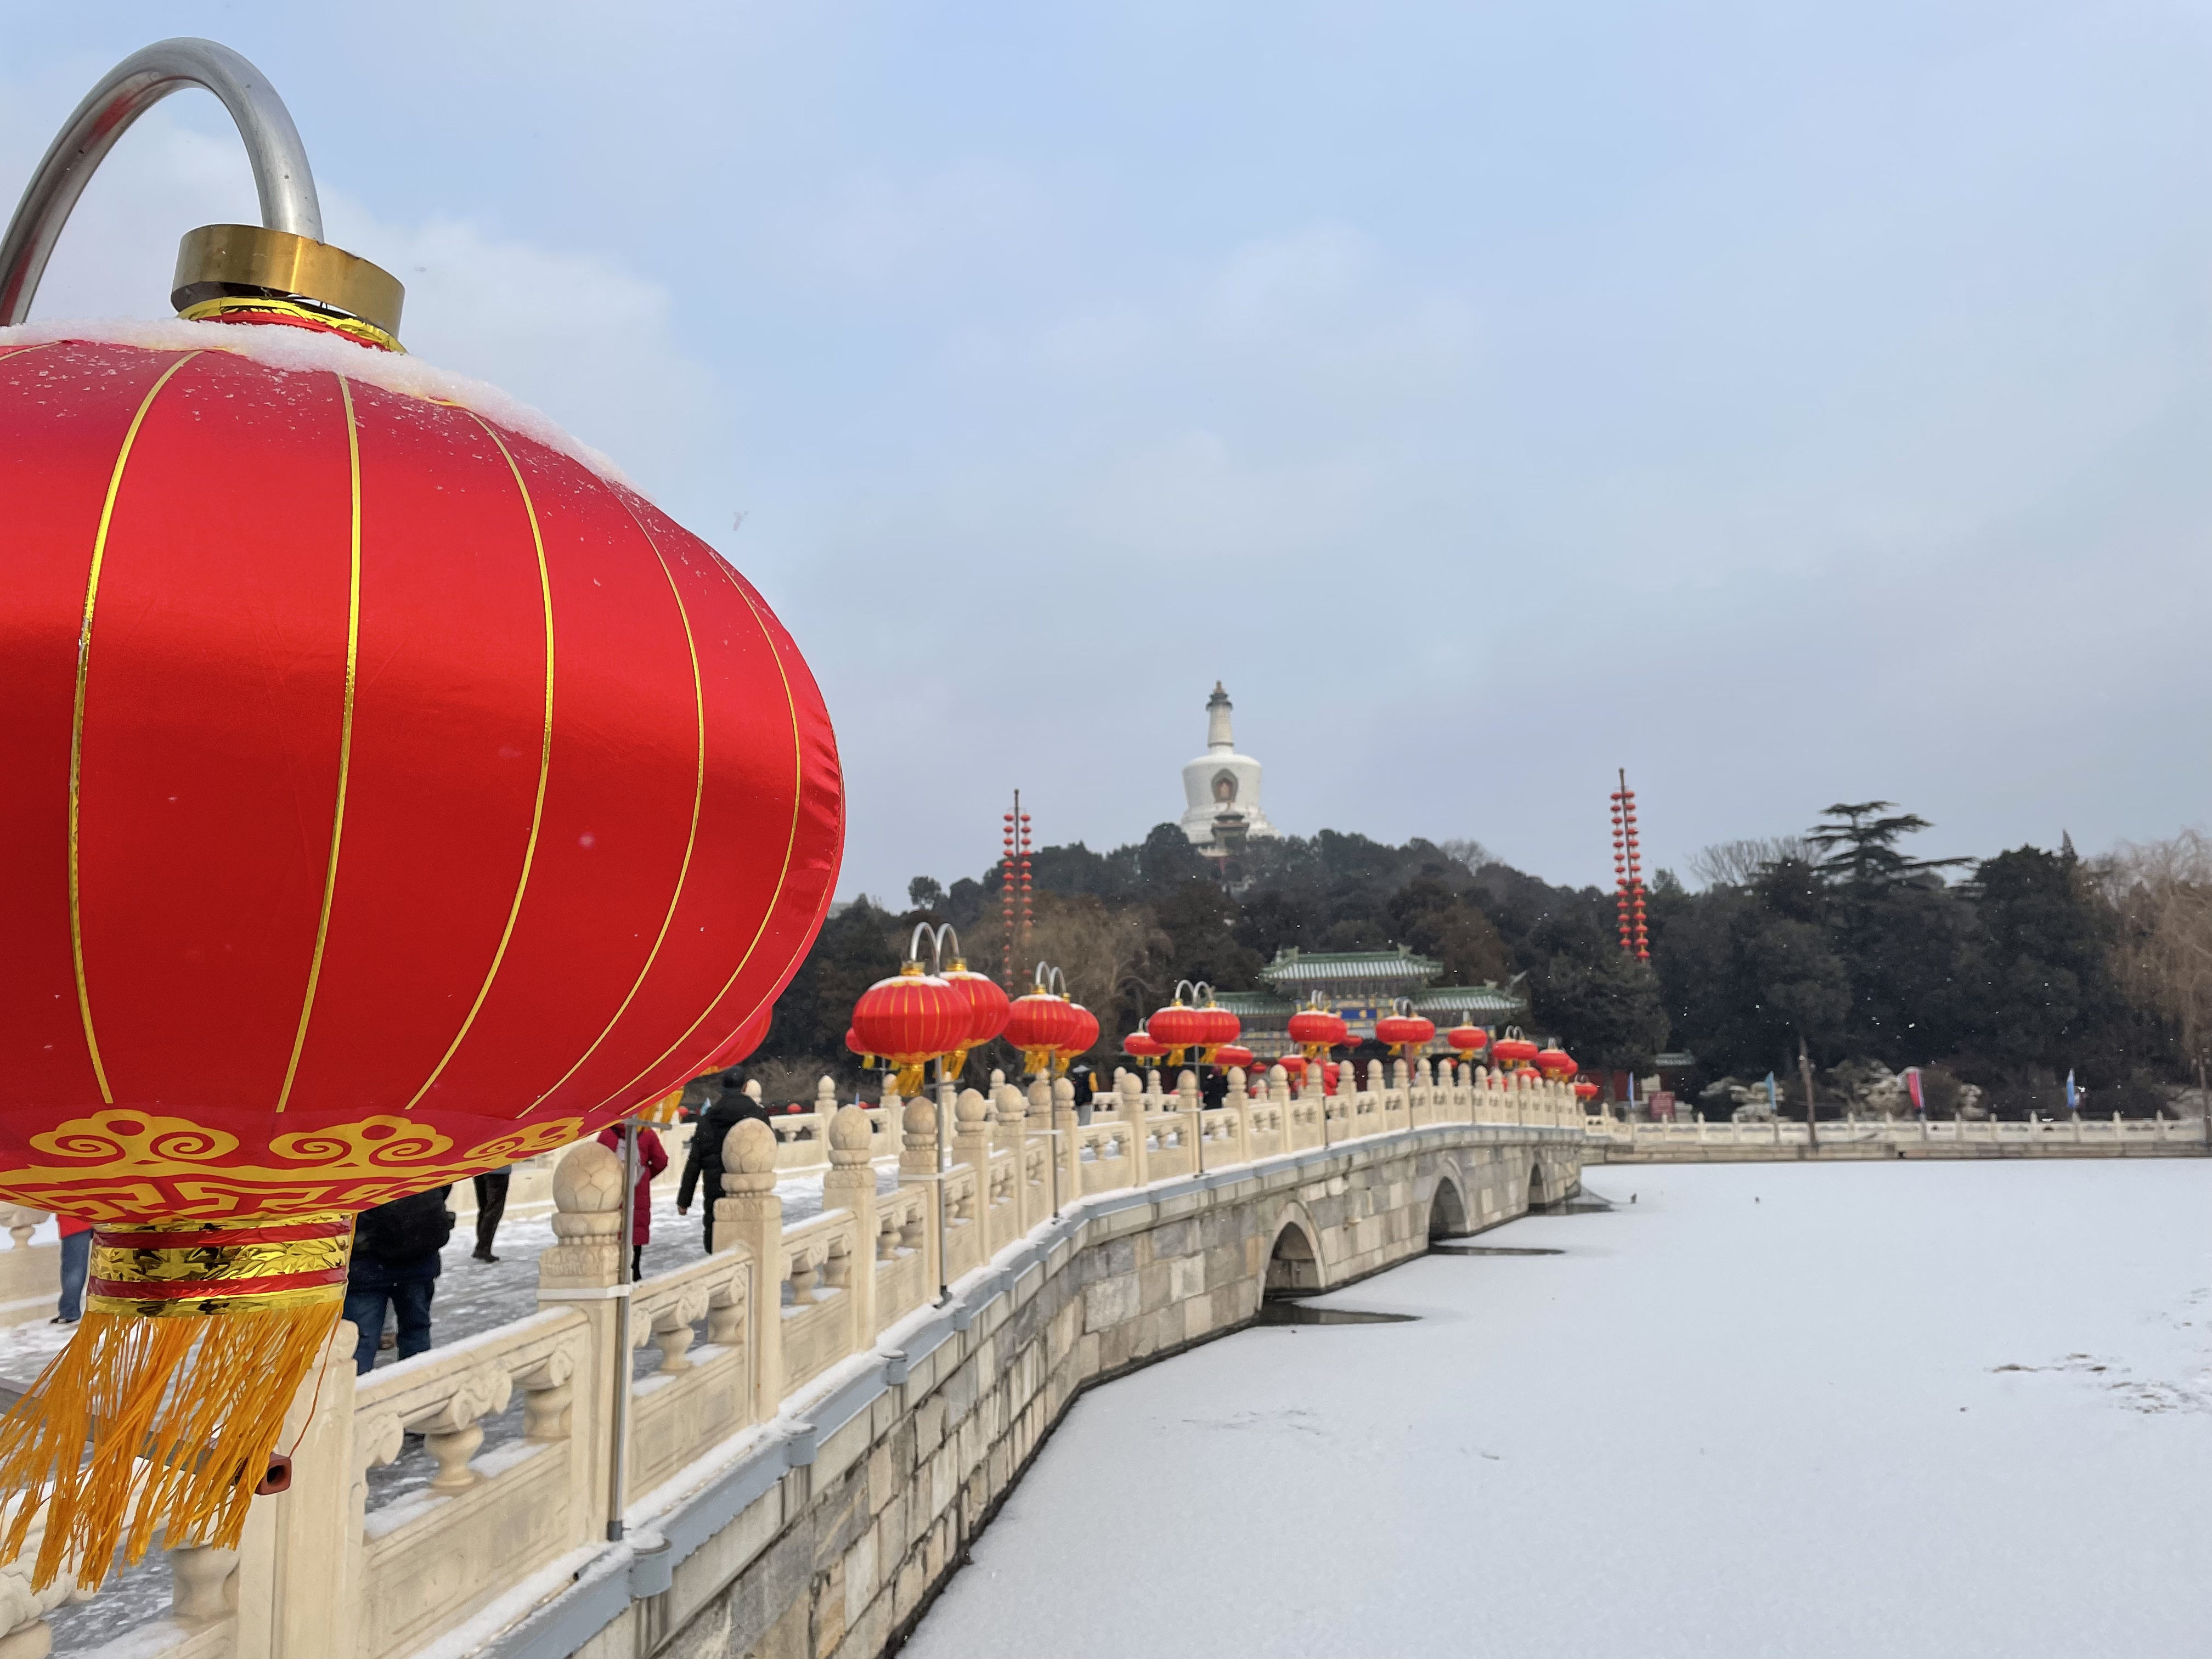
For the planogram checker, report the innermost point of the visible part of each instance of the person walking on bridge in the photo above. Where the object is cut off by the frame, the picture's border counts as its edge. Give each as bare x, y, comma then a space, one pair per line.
652, 1159
702, 1165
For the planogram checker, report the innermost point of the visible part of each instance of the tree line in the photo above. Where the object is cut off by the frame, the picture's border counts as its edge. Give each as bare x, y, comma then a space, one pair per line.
2004, 973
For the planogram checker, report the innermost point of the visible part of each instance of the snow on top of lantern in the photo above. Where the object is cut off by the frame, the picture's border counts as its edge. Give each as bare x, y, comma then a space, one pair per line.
300, 351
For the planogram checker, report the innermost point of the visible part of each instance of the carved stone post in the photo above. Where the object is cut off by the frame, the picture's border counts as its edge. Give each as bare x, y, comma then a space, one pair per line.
1189, 1110
749, 1213
851, 1185
918, 1167
1239, 1096
1132, 1109
971, 1140
583, 1270
297, 1560
1064, 1146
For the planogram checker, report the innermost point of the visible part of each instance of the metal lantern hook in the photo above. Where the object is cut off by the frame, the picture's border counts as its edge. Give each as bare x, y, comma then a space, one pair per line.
936, 936
1201, 993
1046, 974
281, 174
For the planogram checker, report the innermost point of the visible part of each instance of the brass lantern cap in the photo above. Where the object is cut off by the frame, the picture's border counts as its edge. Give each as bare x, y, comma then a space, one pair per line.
248, 261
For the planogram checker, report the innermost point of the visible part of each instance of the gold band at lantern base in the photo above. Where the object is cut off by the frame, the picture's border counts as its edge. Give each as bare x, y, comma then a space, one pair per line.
199, 1268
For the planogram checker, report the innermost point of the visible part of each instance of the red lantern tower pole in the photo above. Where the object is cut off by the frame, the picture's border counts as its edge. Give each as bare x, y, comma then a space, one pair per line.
1016, 911
1628, 873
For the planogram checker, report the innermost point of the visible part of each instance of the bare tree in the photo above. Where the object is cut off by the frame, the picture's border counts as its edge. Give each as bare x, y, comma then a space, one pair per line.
1738, 863
2162, 893
1104, 953
1465, 849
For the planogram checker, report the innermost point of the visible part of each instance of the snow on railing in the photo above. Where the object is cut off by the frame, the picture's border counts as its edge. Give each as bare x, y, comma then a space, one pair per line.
431, 1495
2054, 1134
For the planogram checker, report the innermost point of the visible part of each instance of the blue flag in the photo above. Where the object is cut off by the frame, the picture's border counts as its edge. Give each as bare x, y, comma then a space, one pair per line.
2072, 1099
1773, 1100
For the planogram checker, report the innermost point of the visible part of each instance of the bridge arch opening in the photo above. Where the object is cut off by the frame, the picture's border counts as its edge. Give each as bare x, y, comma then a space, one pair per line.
1293, 1264
1537, 1196
1447, 1212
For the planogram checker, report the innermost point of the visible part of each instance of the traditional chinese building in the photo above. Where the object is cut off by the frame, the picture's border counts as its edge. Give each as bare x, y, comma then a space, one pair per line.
1362, 986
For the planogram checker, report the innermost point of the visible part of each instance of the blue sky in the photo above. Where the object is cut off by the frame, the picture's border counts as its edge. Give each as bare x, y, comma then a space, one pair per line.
1788, 403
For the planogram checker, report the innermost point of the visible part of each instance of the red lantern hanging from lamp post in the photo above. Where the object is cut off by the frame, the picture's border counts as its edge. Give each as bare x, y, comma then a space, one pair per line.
986, 1000
1468, 1041
1177, 1028
1042, 1022
1143, 1046
387, 786
1081, 1040
1513, 1050
1556, 1064
1405, 1031
910, 1019
1316, 1031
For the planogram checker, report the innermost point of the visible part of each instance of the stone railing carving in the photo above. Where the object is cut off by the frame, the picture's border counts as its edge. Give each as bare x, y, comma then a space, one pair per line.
2052, 1136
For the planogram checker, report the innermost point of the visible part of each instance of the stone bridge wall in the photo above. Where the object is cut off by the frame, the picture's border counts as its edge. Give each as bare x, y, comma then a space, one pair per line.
839, 1552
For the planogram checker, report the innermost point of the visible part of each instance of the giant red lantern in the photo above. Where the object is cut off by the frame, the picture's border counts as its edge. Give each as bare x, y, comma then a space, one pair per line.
1142, 1045
742, 1044
1233, 1053
392, 793
1555, 1063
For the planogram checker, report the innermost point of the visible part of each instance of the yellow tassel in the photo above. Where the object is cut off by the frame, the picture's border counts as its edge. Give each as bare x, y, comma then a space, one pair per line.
180, 1415
161, 1414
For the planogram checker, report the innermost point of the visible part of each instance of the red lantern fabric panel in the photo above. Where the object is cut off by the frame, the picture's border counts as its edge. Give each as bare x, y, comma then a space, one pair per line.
419, 770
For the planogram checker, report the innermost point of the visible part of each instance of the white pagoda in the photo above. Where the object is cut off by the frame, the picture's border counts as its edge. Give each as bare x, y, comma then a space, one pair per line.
1221, 787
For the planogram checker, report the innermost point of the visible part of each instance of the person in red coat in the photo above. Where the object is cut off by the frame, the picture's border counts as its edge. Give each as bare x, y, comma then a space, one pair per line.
652, 1159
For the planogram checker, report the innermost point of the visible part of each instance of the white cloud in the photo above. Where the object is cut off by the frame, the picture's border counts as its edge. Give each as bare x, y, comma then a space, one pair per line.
592, 344
1192, 497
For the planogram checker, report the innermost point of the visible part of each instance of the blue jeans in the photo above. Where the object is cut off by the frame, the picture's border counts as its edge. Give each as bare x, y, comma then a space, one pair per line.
77, 1266
369, 1286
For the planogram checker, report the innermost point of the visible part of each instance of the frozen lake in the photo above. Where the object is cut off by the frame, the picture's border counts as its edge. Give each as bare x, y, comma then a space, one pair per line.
1792, 1410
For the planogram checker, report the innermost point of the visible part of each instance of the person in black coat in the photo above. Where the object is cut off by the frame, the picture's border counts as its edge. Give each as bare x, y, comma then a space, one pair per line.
395, 1259
702, 1165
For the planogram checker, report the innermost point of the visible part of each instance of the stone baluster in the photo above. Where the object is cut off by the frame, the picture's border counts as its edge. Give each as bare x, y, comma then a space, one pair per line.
749, 1213
21, 1224
918, 1167
851, 1185
1240, 1097
583, 1270
549, 1397
971, 1140
1190, 1118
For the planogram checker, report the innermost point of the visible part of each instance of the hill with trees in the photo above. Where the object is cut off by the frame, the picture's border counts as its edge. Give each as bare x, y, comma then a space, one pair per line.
2004, 972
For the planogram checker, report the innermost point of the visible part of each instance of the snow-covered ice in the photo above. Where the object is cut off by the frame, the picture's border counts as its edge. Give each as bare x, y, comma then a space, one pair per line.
1813, 1411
